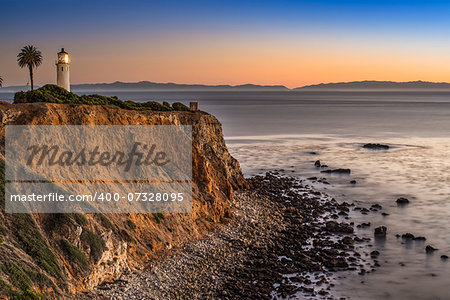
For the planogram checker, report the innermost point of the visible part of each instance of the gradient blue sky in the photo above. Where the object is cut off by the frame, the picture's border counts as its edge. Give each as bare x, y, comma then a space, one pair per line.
264, 42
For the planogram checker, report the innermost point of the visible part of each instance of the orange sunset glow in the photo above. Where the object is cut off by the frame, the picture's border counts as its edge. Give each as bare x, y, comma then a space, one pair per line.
291, 49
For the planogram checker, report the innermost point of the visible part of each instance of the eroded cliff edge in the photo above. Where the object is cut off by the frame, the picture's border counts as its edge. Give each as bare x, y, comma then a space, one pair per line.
60, 254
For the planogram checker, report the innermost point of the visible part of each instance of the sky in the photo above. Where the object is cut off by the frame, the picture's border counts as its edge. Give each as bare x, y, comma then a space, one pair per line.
292, 43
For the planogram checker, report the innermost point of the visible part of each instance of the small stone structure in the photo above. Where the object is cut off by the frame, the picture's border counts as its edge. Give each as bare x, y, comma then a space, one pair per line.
193, 106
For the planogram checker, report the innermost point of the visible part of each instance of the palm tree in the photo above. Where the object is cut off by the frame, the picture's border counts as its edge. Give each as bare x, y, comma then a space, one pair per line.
1, 81
30, 57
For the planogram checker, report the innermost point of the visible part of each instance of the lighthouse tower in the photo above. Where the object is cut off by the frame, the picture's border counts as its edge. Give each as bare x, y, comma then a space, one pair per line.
63, 70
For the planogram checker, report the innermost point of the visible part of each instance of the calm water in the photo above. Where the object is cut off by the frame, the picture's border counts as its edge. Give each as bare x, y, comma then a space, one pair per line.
273, 130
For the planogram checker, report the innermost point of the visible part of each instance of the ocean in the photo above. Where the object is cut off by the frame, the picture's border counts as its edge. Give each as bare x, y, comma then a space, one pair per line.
291, 130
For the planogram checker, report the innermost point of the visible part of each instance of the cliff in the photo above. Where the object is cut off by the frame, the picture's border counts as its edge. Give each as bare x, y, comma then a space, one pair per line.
61, 254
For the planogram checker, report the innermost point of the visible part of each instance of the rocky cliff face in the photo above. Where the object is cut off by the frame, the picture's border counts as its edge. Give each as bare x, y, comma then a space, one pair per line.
57, 254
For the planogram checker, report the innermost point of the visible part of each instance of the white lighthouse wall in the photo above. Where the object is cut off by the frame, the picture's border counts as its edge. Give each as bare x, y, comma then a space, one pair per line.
63, 76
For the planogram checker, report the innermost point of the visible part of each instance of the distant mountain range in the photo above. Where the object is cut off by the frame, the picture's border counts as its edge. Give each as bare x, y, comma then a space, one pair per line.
154, 86
147, 85
15, 88
377, 85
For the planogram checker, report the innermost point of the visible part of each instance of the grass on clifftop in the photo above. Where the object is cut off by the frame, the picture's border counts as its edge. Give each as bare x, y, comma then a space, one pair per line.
55, 94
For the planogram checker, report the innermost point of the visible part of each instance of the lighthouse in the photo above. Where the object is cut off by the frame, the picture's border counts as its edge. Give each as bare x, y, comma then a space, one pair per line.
63, 70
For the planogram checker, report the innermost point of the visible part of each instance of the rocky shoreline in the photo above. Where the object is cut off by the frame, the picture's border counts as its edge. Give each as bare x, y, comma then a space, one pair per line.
284, 239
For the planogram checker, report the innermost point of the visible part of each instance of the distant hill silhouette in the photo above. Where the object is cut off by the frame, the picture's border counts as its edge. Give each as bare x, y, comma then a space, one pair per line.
154, 86
366, 85
16, 88
147, 85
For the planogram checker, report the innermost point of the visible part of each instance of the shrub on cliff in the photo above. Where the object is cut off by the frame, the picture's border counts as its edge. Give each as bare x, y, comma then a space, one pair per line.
74, 254
95, 243
131, 224
48, 93
33, 243
22, 279
55, 94
158, 217
180, 106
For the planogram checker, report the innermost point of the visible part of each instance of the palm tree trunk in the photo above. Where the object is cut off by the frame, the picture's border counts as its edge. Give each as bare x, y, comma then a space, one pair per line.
31, 76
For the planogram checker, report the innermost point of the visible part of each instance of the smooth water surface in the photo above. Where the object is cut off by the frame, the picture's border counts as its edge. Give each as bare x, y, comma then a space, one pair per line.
279, 130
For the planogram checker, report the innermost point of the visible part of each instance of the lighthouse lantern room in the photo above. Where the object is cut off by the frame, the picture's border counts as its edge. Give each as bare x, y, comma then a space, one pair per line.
63, 70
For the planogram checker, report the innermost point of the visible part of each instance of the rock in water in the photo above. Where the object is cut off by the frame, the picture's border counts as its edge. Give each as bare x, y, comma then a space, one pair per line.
408, 236
430, 249
337, 171
376, 206
376, 146
317, 163
444, 257
365, 225
402, 201
381, 231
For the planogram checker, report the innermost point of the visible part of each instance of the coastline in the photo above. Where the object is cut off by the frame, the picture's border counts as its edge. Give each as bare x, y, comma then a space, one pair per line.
283, 240
257, 232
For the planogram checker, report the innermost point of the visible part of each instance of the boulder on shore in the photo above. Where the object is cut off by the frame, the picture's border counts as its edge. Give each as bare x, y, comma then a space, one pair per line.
333, 226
